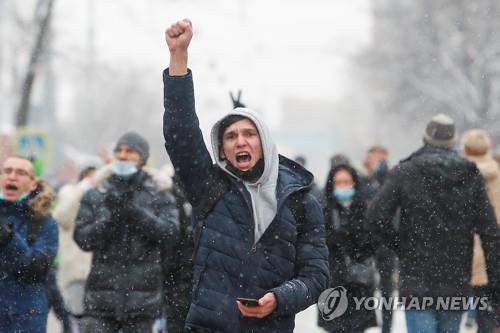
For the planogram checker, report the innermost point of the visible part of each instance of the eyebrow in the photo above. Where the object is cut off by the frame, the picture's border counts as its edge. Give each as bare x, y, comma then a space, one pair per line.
8, 168
246, 129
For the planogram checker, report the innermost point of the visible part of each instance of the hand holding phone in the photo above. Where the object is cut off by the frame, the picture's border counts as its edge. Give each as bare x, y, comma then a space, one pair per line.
257, 308
249, 302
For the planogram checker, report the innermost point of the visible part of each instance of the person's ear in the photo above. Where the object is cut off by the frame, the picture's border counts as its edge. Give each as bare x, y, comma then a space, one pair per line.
33, 184
222, 155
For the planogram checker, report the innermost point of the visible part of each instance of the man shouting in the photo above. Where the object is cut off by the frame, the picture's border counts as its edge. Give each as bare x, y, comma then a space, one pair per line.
259, 232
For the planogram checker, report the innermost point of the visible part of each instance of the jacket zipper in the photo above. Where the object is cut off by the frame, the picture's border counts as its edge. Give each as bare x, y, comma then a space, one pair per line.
250, 208
254, 246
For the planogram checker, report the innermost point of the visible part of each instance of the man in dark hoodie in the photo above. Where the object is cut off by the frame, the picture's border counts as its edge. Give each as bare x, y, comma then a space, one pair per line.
259, 233
28, 245
443, 203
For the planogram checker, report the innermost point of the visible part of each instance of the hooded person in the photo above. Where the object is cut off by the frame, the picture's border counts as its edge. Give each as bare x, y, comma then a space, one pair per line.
259, 233
28, 245
261, 179
344, 216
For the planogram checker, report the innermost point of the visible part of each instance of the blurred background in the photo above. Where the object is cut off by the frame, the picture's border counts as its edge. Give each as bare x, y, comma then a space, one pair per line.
329, 76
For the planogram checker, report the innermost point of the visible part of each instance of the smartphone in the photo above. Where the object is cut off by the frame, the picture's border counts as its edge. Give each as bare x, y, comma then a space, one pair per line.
250, 302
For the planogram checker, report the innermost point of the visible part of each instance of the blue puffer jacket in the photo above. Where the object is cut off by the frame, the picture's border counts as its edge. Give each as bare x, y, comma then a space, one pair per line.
227, 265
24, 262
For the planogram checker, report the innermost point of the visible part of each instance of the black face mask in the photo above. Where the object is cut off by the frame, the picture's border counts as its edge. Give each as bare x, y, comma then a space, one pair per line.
250, 174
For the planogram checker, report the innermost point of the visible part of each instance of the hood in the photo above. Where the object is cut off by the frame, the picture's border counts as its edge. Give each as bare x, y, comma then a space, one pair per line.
263, 191
358, 204
41, 200
487, 166
441, 165
269, 149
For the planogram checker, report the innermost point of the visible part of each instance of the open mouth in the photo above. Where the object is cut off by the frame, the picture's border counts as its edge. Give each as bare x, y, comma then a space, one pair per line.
11, 187
243, 157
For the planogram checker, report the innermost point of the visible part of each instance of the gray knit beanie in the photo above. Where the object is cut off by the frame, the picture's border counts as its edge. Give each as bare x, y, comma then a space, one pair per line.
440, 131
136, 142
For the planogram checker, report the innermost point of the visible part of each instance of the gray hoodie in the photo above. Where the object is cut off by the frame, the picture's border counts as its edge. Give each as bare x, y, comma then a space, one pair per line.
263, 191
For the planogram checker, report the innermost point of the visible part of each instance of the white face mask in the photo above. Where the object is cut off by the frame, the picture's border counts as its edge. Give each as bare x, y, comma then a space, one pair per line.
124, 168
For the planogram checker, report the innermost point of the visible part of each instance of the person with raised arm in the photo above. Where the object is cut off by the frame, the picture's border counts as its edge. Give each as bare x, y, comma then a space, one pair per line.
260, 252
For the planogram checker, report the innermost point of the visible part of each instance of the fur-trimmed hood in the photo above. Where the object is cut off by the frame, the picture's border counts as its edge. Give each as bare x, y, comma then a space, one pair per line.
41, 200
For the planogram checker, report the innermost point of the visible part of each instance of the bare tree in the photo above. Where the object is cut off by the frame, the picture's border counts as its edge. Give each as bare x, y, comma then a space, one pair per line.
43, 14
434, 56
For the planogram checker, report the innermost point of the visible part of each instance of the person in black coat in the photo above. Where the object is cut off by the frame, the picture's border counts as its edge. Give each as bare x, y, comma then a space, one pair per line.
375, 171
178, 268
443, 202
344, 217
128, 225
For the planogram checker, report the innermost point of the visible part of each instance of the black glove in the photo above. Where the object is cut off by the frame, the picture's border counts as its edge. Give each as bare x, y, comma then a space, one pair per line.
114, 202
236, 101
5, 233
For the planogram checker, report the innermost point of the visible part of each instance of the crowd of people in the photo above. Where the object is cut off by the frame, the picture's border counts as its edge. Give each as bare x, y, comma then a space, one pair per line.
247, 242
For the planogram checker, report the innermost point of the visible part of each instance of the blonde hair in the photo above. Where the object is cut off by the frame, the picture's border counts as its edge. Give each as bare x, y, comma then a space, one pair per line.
476, 142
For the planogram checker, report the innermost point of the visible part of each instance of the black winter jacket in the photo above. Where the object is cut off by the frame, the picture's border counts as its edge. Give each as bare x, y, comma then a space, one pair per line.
443, 203
345, 234
347, 245
227, 264
127, 243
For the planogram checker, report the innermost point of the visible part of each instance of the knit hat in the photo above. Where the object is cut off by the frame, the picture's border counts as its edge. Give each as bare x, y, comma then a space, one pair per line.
476, 142
136, 142
440, 131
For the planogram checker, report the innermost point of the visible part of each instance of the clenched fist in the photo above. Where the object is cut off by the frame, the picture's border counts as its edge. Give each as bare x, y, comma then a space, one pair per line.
178, 37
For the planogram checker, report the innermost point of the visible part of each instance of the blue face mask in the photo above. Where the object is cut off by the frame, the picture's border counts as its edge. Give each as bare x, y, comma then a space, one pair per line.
124, 168
21, 197
344, 194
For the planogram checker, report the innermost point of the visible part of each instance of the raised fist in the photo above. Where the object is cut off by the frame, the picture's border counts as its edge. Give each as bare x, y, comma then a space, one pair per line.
178, 36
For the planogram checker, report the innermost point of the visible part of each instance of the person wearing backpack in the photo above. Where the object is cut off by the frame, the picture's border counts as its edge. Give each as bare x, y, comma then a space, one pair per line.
350, 263
28, 245
259, 233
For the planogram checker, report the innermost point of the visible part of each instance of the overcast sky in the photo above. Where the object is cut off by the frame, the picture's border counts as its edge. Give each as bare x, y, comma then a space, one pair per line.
269, 48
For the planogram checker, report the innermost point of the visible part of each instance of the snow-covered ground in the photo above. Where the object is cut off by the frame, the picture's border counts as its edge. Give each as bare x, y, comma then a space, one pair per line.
305, 322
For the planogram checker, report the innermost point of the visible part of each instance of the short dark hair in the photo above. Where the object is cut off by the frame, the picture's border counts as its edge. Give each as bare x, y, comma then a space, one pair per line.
226, 122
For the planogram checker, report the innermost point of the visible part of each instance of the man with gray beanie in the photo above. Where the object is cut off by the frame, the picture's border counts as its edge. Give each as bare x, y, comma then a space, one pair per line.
443, 202
129, 225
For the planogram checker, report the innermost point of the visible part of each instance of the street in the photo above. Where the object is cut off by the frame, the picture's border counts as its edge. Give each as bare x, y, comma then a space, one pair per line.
305, 322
